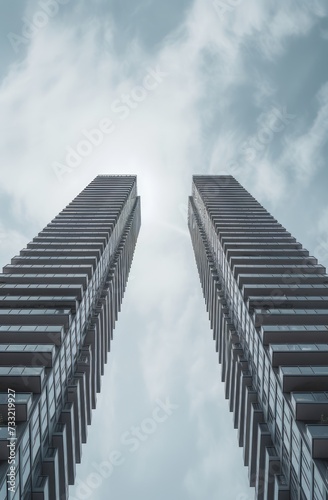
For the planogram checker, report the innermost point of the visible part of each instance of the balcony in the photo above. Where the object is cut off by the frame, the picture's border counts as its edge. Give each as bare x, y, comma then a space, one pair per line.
292, 334
318, 439
303, 378
22, 379
27, 355
46, 317
45, 279
23, 404
310, 406
281, 278
290, 317
298, 354
32, 334
285, 289
55, 268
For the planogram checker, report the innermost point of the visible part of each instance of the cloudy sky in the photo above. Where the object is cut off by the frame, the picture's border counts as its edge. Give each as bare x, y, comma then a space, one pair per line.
163, 90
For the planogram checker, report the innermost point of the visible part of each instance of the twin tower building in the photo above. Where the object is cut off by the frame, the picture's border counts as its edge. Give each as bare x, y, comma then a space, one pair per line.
267, 301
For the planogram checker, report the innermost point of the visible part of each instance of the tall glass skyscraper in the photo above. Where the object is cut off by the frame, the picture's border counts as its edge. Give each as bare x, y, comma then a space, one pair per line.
59, 301
268, 306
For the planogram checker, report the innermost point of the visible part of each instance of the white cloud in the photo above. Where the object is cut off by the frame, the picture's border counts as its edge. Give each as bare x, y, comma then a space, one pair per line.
66, 84
305, 151
11, 242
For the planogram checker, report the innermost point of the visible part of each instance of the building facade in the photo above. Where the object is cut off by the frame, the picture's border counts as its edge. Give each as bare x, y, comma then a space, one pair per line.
268, 307
59, 301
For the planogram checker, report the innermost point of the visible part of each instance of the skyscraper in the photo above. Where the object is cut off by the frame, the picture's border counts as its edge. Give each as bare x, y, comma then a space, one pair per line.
59, 301
268, 306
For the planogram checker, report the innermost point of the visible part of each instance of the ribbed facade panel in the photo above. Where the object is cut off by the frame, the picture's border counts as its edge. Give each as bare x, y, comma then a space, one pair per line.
267, 301
59, 301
